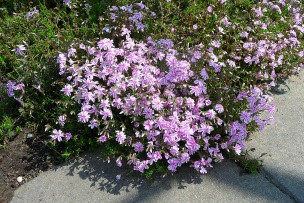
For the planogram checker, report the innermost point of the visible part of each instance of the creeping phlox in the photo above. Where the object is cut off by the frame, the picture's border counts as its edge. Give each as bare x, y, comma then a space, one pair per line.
152, 83
151, 97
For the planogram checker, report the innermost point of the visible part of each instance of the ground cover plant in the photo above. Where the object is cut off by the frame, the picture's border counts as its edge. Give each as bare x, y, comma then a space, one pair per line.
155, 85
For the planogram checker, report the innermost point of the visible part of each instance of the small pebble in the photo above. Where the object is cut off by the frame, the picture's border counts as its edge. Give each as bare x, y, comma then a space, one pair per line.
19, 179
29, 135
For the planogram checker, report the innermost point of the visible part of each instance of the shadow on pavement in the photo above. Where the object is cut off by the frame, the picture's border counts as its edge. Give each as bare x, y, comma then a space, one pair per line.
102, 175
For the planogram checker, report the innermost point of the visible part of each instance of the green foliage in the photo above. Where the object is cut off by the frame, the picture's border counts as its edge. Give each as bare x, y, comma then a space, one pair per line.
7, 130
248, 163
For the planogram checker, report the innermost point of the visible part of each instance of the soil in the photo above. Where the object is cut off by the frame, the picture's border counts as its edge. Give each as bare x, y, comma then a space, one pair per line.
21, 157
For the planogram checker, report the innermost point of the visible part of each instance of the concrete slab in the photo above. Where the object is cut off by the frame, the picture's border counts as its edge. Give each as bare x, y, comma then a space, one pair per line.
89, 179
284, 141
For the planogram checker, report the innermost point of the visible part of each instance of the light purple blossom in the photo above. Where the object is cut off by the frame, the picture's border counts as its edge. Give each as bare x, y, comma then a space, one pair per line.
20, 49
219, 108
138, 147
120, 137
61, 120
245, 117
102, 138
57, 135
68, 136
67, 90
84, 117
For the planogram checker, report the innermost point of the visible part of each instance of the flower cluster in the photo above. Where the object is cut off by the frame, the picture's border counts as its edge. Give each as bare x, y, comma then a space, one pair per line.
128, 18
173, 116
32, 13
160, 101
12, 87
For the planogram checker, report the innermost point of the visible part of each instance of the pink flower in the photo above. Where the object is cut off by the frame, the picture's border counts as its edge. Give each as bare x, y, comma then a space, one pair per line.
102, 139
210, 114
61, 120
67, 90
67, 2
83, 117
105, 44
215, 43
107, 113
57, 135
238, 149
20, 49
118, 177
120, 137
219, 108
258, 12
118, 162
138, 147
157, 104
68, 136
245, 117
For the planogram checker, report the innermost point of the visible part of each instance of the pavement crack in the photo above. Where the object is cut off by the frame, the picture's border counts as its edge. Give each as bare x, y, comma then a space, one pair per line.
279, 185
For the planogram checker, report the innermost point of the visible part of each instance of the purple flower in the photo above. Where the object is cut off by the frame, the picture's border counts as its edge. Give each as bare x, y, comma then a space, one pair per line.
148, 125
67, 2
258, 12
120, 137
20, 49
107, 113
67, 90
197, 55
210, 114
245, 117
215, 43
118, 177
84, 117
102, 138
68, 136
204, 74
93, 124
174, 150
219, 108
105, 44
192, 145
61, 59
57, 135
61, 120
157, 104
185, 158
72, 52
208, 102
238, 149
195, 26
138, 147
118, 162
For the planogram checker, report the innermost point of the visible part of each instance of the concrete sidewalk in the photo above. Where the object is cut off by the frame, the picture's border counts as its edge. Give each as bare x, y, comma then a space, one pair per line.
284, 141
89, 179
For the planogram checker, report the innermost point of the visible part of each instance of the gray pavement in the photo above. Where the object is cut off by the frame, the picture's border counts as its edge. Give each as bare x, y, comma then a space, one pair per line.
89, 179
284, 141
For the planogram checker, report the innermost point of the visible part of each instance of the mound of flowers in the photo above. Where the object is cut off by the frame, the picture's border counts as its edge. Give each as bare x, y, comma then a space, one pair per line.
161, 103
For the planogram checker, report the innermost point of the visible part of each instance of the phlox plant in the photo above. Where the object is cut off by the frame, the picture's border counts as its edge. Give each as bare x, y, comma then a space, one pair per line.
171, 115
162, 99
